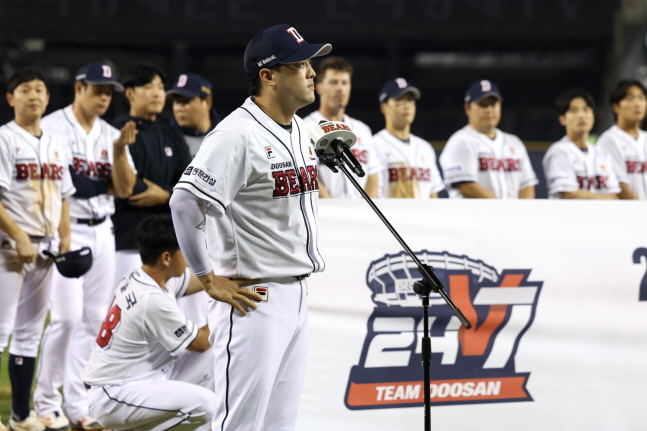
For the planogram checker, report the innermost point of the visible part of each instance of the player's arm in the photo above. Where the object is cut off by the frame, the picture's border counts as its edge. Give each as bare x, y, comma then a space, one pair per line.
585, 194
527, 192
371, 186
626, 192
194, 285
323, 192
188, 218
24, 247
123, 178
64, 229
201, 342
471, 189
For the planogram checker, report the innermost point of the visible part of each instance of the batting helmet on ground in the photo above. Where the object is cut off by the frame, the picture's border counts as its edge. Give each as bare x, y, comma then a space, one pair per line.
72, 264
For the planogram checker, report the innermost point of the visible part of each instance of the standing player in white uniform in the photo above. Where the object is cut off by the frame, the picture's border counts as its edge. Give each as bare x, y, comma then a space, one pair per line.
144, 330
102, 168
574, 168
625, 142
255, 177
333, 85
34, 182
408, 162
481, 161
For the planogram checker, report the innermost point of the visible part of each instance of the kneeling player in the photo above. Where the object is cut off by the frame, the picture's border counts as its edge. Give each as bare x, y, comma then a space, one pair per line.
142, 334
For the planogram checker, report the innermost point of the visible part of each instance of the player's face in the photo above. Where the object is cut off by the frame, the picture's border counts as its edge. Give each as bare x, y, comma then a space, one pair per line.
147, 99
295, 84
188, 112
633, 107
94, 99
334, 89
29, 100
485, 114
579, 118
400, 112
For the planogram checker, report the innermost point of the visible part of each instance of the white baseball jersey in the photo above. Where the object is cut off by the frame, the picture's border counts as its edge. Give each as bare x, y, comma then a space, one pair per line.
500, 165
143, 331
92, 157
336, 183
34, 178
408, 169
629, 156
259, 182
568, 168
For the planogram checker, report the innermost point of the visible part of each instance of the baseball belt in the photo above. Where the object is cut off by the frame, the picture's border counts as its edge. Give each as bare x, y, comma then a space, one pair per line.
285, 280
89, 221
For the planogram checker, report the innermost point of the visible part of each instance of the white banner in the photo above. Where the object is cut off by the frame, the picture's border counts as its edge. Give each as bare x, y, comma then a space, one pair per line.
552, 289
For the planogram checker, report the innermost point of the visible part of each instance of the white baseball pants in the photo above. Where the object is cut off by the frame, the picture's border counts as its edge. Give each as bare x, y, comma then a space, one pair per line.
78, 307
260, 360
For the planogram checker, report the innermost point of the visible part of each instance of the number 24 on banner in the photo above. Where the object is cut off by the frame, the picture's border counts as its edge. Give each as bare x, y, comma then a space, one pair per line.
638, 253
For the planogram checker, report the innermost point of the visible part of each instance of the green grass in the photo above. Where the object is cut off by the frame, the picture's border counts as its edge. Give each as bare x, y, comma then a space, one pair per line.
5, 388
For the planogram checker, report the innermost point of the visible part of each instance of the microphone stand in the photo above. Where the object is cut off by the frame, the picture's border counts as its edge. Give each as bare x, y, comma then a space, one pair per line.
339, 159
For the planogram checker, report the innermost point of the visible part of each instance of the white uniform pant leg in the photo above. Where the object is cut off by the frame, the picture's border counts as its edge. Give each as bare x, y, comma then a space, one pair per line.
66, 311
157, 405
256, 389
11, 280
97, 295
32, 306
125, 261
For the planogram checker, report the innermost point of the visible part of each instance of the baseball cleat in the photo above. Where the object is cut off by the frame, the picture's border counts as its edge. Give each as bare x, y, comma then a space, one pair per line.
30, 423
87, 423
54, 421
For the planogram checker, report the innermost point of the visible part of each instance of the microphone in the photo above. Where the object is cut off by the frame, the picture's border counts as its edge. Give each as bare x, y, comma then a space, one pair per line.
332, 141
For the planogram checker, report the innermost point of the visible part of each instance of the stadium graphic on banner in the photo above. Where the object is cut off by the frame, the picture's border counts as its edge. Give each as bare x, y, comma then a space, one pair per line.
468, 366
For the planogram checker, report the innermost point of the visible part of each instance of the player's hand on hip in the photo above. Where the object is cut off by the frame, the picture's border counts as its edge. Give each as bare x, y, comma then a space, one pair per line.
25, 249
128, 134
152, 196
231, 291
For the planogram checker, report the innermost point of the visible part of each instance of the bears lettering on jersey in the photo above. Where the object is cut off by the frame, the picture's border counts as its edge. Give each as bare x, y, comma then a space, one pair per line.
494, 164
406, 173
593, 182
636, 167
46, 171
360, 155
289, 183
91, 169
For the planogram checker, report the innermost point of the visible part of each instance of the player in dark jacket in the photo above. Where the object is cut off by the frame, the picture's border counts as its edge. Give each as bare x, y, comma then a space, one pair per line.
160, 155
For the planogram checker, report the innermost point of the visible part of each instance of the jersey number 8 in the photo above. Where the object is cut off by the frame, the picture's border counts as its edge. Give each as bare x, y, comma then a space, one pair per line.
109, 326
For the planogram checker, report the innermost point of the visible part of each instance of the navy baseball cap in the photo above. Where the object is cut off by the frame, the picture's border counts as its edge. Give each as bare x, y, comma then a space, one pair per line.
479, 90
98, 74
398, 87
279, 44
191, 85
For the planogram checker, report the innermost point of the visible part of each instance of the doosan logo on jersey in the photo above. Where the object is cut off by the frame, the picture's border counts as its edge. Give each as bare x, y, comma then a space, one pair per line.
636, 167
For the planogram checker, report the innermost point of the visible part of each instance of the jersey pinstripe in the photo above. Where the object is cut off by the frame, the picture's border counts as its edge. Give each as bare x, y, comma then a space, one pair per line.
92, 157
364, 151
568, 169
259, 182
34, 179
143, 331
408, 169
629, 156
500, 165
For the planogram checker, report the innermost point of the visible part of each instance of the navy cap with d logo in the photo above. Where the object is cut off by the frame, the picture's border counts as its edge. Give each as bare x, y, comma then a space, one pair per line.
98, 74
279, 44
479, 90
191, 85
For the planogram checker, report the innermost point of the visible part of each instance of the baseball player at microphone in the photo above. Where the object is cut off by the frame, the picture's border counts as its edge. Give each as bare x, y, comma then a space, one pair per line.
245, 211
102, 168
333, 85
34, 184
